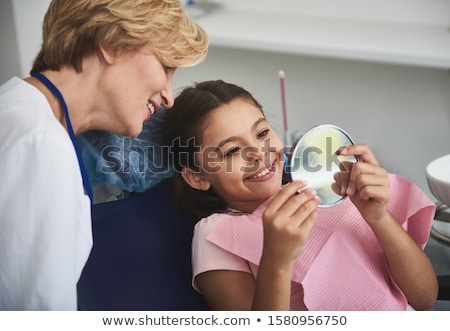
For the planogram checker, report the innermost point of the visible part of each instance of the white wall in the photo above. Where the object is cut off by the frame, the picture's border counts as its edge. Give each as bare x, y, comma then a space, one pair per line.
9, 52
402, 112
429, 11
28, 15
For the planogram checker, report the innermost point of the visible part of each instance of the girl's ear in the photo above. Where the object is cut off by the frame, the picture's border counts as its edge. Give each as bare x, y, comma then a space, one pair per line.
195, 179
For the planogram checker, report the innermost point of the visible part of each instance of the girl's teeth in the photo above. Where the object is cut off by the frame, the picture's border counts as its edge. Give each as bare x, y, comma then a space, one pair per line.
262, 173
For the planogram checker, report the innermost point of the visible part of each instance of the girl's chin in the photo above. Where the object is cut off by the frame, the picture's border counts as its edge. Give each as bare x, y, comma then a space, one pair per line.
270, 187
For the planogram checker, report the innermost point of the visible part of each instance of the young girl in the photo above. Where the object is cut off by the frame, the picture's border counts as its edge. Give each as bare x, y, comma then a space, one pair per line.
260, 245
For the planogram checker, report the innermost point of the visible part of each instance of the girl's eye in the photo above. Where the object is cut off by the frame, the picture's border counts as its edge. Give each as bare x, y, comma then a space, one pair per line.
232, 151
263, 133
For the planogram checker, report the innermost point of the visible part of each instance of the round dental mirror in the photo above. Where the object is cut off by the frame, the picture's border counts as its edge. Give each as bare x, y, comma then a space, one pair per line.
314, 160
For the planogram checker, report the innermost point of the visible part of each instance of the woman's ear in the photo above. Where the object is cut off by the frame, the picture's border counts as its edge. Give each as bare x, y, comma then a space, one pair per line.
195, 179
107, 55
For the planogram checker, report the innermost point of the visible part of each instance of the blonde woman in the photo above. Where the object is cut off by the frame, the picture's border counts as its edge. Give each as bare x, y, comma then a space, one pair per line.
105, 65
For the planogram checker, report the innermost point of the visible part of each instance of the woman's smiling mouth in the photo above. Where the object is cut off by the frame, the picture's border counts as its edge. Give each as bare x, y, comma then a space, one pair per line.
151, 107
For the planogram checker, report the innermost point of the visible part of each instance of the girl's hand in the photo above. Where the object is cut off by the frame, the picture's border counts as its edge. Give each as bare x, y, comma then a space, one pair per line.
287, 221
366, 183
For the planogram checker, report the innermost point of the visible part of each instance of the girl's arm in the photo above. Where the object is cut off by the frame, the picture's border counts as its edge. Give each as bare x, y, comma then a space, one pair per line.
407, 262
287, 221
367, 185
226, 289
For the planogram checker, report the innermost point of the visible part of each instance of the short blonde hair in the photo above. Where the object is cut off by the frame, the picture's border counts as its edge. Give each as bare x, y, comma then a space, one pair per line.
74, 29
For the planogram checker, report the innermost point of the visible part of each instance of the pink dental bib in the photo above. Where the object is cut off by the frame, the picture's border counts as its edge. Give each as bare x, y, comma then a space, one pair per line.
342, 266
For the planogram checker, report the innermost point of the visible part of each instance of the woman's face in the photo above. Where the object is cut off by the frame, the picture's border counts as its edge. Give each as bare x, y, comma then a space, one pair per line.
137, 84
241, 156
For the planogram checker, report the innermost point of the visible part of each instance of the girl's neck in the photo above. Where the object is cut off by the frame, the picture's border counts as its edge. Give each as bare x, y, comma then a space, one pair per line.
245, 207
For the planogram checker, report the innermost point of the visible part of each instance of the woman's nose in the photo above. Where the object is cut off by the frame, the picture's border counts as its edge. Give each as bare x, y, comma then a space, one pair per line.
167, 98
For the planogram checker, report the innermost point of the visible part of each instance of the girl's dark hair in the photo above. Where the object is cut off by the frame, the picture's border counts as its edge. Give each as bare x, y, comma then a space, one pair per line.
182, 130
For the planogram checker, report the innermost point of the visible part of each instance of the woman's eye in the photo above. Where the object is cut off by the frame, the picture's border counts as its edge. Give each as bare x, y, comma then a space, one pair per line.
263, 133
232, 151
166, 68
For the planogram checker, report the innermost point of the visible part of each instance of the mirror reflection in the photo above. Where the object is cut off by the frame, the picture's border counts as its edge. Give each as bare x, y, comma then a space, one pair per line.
313, 158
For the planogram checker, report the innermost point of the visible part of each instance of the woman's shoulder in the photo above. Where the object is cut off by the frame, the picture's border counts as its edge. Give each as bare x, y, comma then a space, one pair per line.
26, 114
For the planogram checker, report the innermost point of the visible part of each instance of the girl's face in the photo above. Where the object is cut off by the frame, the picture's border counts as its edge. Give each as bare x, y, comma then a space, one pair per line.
136, 85
241, 156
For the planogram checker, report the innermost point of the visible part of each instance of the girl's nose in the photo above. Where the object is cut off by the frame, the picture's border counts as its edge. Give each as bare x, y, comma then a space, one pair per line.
266, 151
261, 156
252, 154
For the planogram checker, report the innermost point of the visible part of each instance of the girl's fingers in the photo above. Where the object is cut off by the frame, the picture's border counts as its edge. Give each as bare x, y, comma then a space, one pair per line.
364, 185
377, 193
286, 192
308, 223
307, 213
289, 205
375, 186
350, 182
346, 166
341, 180
294, 219
290, 208
360, 150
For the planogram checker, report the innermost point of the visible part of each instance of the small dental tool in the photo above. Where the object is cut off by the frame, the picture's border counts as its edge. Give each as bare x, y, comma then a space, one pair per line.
283, 100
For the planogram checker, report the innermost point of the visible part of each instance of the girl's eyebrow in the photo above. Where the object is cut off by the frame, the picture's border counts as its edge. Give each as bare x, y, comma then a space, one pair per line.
254, 126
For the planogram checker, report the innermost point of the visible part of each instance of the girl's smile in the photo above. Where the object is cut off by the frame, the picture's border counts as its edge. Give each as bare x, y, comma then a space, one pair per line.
263, 174
246, 168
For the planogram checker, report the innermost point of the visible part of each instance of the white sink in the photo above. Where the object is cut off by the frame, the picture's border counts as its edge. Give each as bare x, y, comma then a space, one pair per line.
438, 178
